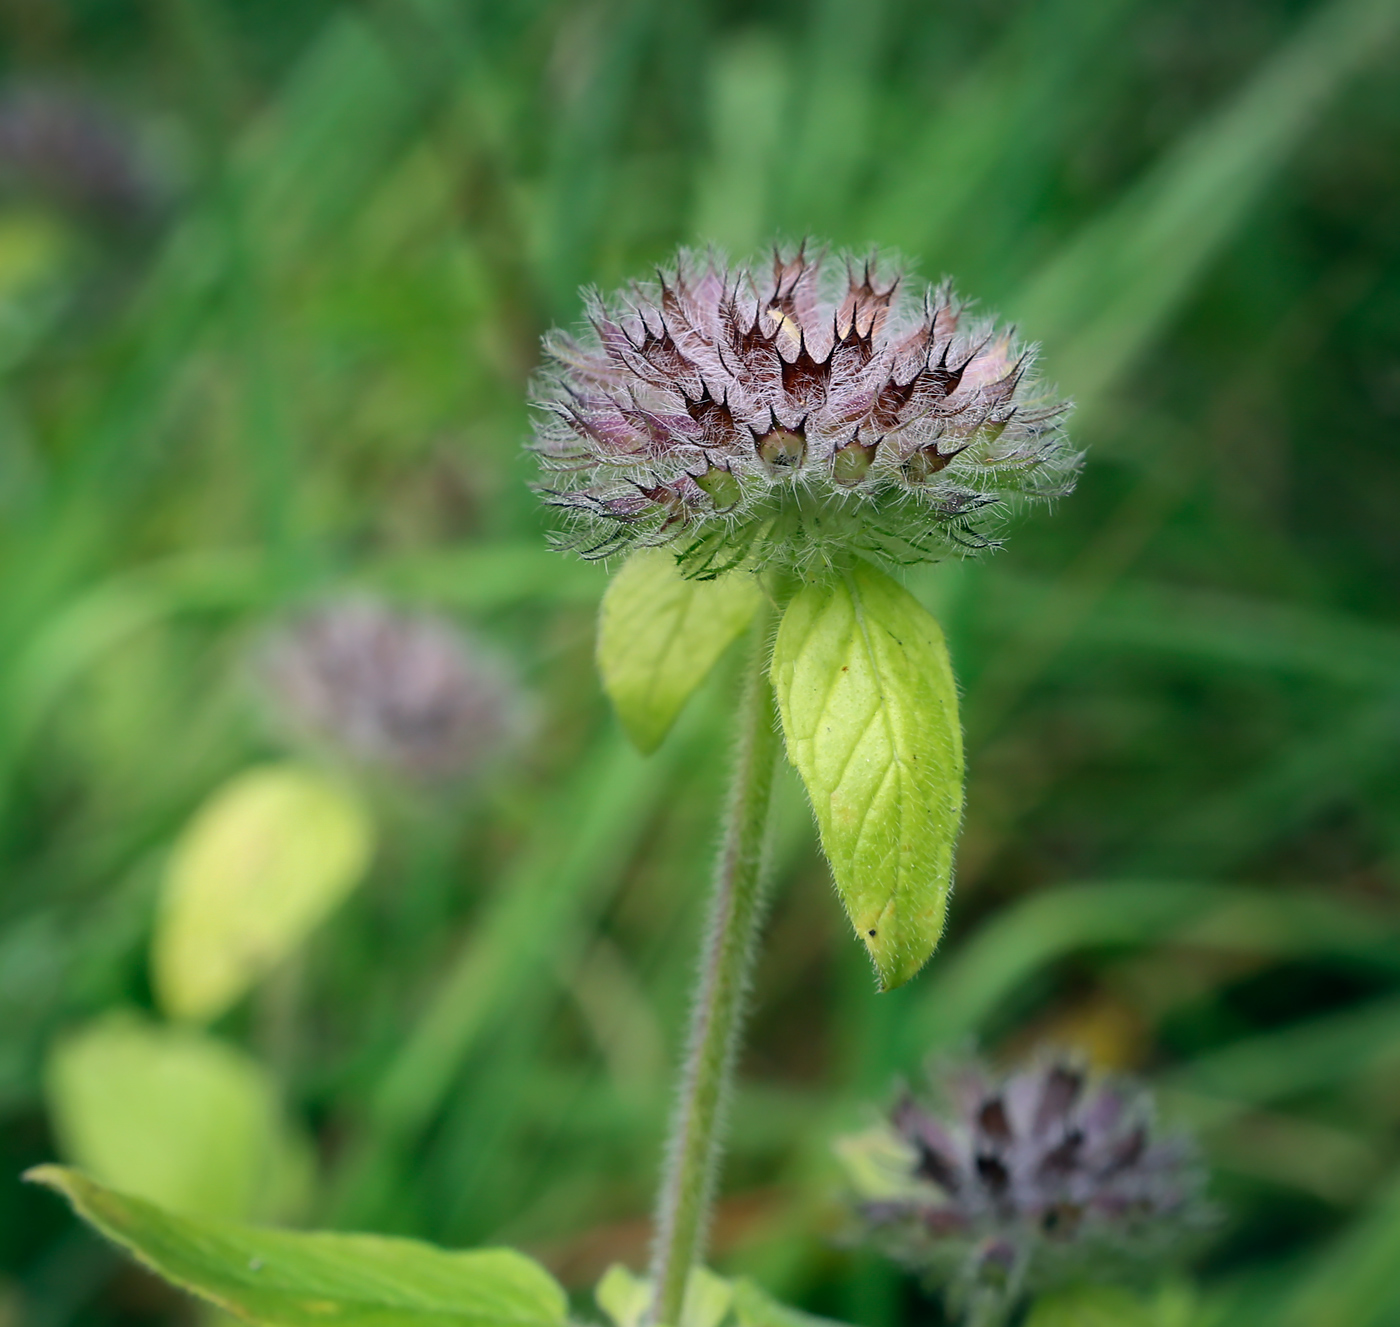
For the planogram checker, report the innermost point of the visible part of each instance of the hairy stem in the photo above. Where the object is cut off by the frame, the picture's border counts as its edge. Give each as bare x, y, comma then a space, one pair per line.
693, 1149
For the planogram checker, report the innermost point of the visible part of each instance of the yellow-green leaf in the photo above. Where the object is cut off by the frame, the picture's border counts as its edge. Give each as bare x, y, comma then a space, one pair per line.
659, 635
282, 1278
870, 715
626, 1297
260, 865
175, 1116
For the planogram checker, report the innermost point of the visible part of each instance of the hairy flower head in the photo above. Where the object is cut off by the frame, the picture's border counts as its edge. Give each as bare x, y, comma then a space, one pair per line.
1021, 1181
797, 413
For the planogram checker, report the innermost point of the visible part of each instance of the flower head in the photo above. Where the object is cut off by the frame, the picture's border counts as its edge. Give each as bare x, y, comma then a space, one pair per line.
1041, 1176
74, 151
819, 408
405, 692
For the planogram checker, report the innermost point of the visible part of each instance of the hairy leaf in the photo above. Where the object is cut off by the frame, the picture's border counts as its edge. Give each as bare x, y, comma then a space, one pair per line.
870, 714
283, 1278
262, 863
659, 635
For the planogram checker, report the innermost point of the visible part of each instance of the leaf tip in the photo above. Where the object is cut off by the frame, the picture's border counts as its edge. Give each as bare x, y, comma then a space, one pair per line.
896, 960
62, 1180
49, 1174
645, 737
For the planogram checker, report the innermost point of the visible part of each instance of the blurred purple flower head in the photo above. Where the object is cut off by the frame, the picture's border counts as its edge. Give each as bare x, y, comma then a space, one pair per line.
823, 407
403, 692
73, 150
1041, 1176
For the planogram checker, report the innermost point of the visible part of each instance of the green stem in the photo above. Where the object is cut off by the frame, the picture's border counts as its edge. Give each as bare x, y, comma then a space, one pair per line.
735, 913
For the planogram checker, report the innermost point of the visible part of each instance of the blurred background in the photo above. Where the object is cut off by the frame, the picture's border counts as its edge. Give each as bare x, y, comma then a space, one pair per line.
272, 277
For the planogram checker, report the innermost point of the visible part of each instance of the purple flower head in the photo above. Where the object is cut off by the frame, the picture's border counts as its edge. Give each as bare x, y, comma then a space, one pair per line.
75, 151
1022, 1181
820, 407
402, 692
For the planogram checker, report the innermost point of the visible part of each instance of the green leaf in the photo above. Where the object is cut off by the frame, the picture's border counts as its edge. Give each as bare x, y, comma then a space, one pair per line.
659, 635
175, 1116
870, 714
291, 1279
266, 859
1174, 1305
755, 1307
625, 1297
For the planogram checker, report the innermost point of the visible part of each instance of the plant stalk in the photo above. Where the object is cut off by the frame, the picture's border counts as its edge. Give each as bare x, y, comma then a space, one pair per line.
693, 1149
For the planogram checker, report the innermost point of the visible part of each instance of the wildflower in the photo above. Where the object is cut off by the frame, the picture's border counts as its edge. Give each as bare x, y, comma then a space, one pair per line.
406, 692
74, 151
1040, 1177
797, 416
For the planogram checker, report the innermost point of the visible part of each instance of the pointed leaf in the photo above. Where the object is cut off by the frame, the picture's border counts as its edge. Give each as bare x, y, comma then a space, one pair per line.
870, 715
173, 1115
283, 1278
659, 635
266, 859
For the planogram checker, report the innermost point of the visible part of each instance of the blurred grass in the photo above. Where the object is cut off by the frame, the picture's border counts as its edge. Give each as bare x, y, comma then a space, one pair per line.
305, 371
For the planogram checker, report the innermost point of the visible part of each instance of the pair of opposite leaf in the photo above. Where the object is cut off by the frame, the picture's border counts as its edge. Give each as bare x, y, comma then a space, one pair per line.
868, 707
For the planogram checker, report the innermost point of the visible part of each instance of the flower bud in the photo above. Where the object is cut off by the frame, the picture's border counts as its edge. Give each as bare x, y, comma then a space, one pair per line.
722, 487
926, 462
852, 462
781, 450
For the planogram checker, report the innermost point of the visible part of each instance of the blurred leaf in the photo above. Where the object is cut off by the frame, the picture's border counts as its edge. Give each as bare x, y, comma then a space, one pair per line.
485, 576
1112, 1306
1110, 291
1030, 92
1354, 1282
877, 1164
623, 1296
263, 862
1212, 628
626, 1297
537, 922
834, 100
1302, 1056
1021, 940
748, 92
659, 634
172, 1115
870, 714
755, 1307
709, 1301
31, 248
285, 1279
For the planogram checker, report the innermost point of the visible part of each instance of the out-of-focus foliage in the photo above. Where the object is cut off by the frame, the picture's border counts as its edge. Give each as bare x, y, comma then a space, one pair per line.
171, 1115
299, 1278
256, 870
298, 369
